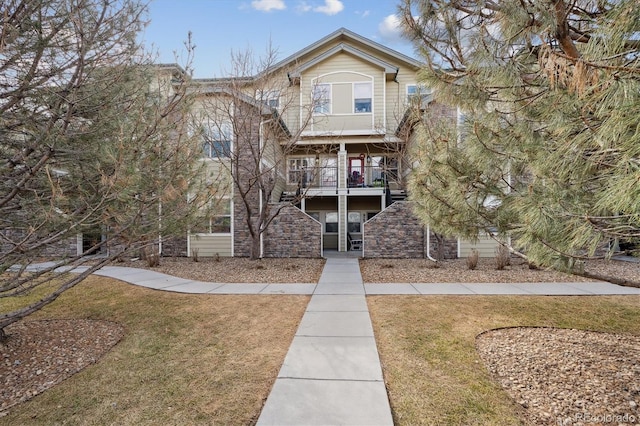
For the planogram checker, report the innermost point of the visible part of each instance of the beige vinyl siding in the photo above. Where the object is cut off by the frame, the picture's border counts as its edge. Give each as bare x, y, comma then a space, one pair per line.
290, 107
330, 241
396, 95
342, 98
210, 245
342, 71
485, 245
352, 122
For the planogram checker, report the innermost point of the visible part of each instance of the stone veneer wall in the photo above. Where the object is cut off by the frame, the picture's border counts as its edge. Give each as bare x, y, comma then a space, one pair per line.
175, 246
449, 247
63, 248
396, 232
247, 138
292, 233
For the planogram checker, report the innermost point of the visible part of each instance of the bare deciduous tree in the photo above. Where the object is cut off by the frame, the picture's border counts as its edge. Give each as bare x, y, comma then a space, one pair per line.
93, 140
243, 124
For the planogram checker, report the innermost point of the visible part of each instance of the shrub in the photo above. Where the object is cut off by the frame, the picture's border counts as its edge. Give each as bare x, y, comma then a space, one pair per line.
430, 264
472, 260
502, 257
151, 256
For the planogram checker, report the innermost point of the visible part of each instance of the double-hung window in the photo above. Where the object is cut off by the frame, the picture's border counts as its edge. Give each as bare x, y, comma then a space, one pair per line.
353, 222
331, 222
362, 97
321, 99
217, 223
217, 140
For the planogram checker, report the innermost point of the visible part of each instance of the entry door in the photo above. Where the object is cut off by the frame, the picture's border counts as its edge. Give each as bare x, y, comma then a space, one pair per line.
356, 171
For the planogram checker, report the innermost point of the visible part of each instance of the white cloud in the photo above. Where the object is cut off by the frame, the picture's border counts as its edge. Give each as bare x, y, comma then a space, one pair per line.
303, 7
268, 5
331, 7
390, 29
363, 14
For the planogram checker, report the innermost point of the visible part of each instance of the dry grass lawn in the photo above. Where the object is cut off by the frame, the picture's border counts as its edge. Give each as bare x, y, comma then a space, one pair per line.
427, 347
184, 359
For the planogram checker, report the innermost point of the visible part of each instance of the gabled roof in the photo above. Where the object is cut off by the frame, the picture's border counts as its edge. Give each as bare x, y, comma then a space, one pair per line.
347, 38
388, 68
346, 35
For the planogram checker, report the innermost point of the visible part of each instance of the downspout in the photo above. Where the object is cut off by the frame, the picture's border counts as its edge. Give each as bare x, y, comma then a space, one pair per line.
429, 245
260, 192
159, 228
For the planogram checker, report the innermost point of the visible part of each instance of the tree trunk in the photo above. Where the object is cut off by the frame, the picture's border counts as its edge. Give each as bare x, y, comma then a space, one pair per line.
255, 246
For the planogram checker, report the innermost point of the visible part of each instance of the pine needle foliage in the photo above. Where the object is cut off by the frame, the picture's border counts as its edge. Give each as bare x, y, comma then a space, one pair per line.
547, 147
93, 138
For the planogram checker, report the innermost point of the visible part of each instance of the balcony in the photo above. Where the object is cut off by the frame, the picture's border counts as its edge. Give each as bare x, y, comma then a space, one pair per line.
327, 177
370, 177
314, 177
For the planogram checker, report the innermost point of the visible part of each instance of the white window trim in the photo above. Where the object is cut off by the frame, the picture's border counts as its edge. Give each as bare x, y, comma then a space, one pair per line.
329, 100
225, 126
212, 217
353, 97
324, 230
309, 168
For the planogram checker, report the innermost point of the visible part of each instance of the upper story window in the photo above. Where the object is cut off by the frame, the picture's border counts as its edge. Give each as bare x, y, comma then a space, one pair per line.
270, 97
418, 93
362, 97
322, 99
217, 140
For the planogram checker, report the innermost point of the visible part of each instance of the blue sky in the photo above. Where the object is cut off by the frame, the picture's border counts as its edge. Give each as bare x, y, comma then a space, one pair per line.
220, 26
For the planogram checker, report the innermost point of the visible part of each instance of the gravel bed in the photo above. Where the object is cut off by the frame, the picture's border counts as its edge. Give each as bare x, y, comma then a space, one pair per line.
452, 271
38, 355
566, 376
238, 270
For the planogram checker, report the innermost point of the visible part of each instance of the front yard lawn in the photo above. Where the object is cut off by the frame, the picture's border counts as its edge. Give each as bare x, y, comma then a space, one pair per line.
435, 376
184, 359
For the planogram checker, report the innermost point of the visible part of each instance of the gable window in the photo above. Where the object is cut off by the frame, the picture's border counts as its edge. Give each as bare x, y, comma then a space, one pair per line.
321, 98
362, 95
217, 139
418, 93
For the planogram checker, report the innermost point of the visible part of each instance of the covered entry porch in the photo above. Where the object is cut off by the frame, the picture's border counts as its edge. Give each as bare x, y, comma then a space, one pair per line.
343, 216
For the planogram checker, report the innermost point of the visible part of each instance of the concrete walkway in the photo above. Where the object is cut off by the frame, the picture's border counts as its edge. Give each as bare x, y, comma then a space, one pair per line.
159, 281
331, 374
